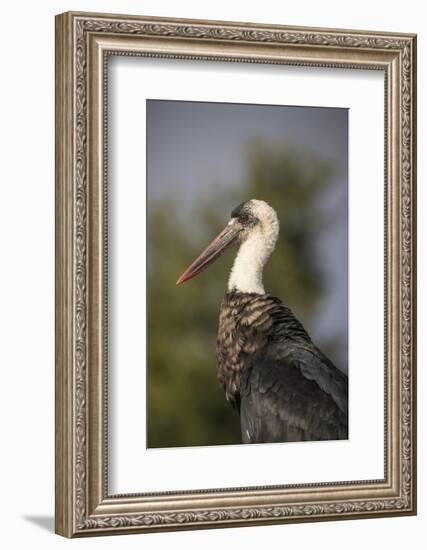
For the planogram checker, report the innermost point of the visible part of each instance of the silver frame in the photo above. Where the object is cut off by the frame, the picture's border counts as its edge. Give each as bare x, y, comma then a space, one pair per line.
83, 43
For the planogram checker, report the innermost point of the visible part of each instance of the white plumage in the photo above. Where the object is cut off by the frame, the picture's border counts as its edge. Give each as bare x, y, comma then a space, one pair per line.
255, 250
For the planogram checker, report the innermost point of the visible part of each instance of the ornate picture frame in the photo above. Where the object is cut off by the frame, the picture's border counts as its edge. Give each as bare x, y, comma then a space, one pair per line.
84, 41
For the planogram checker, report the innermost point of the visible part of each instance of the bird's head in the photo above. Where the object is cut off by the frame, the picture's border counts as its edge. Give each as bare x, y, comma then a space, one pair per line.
252, 221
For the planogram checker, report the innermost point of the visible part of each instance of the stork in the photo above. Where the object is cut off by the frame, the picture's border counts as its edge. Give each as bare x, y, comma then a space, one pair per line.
283, 386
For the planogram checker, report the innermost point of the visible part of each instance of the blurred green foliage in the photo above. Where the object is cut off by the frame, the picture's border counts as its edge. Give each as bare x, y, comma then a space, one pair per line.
186, 406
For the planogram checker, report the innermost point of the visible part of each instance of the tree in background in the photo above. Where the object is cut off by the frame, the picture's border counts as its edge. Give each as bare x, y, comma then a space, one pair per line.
186, 406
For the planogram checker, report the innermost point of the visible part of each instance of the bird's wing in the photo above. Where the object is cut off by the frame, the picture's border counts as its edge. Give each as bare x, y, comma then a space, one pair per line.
315, 366
270, 329
279, 402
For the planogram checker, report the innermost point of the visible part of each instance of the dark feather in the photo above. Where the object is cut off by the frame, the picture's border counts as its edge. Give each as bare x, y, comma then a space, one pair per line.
283, 386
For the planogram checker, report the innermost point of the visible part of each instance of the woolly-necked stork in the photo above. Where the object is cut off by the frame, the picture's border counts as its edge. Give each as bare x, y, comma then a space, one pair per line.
283, 386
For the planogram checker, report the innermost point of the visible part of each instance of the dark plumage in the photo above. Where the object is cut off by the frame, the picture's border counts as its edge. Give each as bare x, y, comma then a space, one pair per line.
284, 388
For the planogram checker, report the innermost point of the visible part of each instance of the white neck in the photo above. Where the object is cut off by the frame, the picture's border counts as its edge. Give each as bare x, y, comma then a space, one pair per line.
253, 254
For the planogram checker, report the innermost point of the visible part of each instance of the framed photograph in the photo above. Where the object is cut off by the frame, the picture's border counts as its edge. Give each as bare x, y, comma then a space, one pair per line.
235, 274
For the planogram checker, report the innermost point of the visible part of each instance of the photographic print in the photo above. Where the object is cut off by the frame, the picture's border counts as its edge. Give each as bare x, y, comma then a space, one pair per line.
253, 348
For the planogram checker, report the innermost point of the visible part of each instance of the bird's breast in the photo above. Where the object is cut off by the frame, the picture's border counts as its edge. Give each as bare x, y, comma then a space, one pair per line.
245, 323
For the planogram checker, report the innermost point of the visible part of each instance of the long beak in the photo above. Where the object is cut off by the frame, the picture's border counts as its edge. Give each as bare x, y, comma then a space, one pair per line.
214, 249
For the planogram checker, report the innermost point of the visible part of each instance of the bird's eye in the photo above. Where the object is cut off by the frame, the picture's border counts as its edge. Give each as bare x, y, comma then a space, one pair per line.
243, 218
